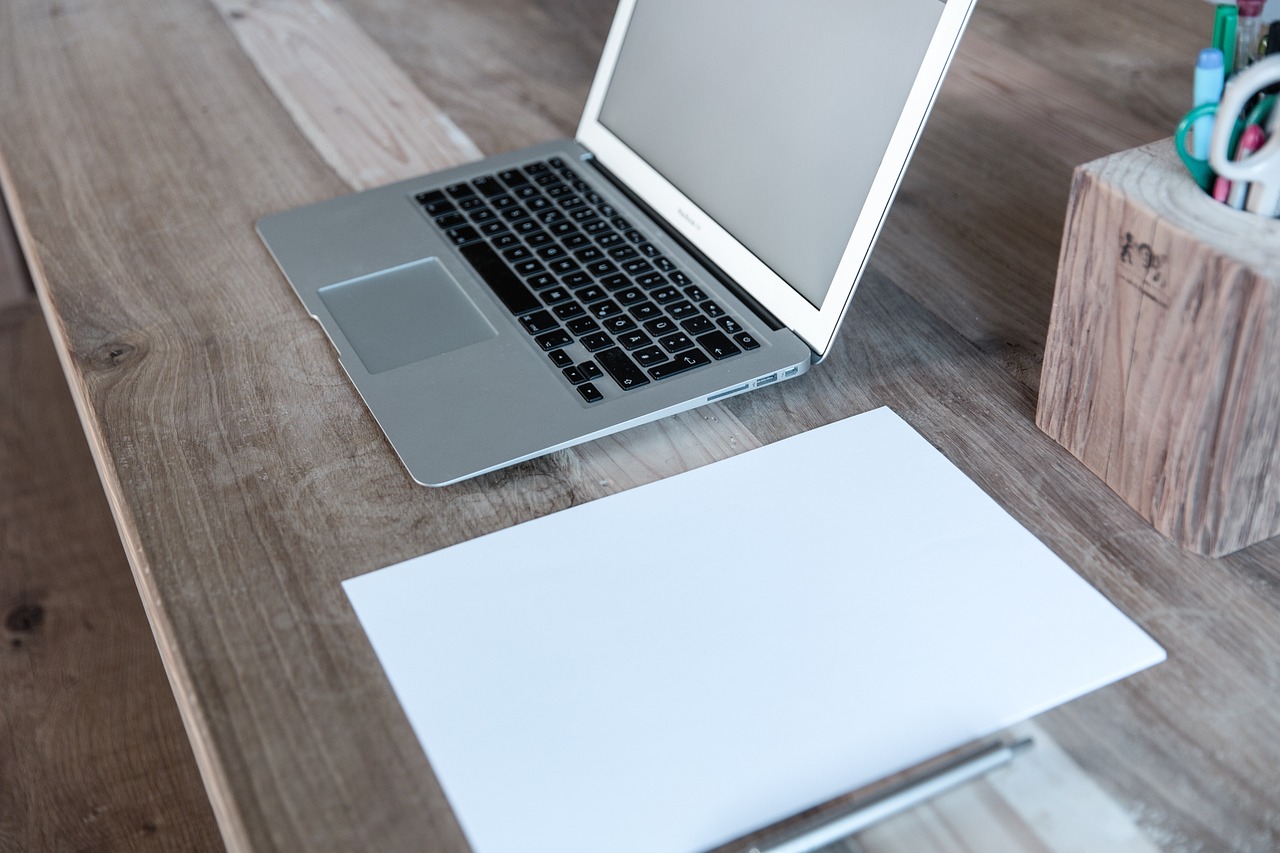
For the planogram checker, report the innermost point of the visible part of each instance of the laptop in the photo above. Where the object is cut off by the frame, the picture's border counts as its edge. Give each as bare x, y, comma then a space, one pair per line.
700, 237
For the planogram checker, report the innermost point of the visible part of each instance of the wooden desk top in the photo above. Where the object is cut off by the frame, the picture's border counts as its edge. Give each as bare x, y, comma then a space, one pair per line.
142, 138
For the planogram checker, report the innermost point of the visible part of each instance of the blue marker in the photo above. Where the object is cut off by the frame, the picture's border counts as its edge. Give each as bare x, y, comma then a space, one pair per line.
1210, 78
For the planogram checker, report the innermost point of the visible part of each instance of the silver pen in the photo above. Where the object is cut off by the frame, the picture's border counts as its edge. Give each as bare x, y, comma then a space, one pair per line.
910, 792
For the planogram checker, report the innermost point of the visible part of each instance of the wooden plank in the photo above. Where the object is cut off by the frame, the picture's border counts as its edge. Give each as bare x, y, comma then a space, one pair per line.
94, 754
355, 105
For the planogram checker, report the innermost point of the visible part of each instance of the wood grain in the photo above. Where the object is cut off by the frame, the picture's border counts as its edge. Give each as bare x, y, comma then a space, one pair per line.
15, 283
248, 481
1163, 351
94, 754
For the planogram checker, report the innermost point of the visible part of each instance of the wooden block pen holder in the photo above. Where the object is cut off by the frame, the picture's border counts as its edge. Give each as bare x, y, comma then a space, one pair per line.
1162, 364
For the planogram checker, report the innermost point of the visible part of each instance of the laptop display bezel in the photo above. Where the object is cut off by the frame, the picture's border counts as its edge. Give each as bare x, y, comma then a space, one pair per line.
815, 325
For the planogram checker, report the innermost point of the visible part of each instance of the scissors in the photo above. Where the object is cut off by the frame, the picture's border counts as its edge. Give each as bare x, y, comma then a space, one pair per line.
1262, 168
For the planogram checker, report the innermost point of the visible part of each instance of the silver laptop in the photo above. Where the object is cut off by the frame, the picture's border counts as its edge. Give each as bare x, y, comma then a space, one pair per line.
700, 237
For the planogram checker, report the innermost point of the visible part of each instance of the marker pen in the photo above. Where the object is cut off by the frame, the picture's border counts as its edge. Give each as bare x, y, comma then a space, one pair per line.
1209, 81
1248, 32
1224, 34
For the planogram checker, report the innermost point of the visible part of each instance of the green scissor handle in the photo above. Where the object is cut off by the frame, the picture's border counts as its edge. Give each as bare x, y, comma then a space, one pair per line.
1199, 169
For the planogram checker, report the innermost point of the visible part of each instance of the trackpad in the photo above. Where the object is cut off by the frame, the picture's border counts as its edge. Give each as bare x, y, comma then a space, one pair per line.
405, 314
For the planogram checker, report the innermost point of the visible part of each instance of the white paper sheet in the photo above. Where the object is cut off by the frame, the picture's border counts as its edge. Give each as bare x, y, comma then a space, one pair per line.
666, 669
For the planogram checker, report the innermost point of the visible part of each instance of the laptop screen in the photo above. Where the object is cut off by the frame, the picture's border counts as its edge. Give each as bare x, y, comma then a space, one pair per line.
771, 115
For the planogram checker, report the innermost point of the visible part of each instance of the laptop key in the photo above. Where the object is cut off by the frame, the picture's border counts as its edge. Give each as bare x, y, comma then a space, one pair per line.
698, 326
675, 343
680, 310
574, 375
634, 340
513, 177
649, 355
660, 326
730, 325
450, 220
541, 280
718, 345
552, 295
576, 279
645, 311
590, 294
685, 361
560, 358
539, 322
590, 370
629, 296
746, 341
508, 288
489, 185
494, 229
569, 310
597, 341
459, 190
712, 310
695, 293
590, 393
622, 369
436, 208
604, 310
618, 325
554, 340
582, 326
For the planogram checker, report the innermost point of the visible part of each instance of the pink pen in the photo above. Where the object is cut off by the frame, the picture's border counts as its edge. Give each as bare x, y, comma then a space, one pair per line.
1250, 141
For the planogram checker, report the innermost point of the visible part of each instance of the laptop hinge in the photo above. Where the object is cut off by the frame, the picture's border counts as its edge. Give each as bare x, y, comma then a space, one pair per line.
759, 310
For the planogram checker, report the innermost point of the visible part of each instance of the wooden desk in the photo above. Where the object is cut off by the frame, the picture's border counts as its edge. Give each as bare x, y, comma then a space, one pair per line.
141, 140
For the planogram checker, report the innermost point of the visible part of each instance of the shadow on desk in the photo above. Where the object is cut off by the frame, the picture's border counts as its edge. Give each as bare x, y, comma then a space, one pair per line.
93, 753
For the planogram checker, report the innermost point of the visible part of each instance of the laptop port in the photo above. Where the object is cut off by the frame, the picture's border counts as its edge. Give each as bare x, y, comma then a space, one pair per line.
766, 380
729, 393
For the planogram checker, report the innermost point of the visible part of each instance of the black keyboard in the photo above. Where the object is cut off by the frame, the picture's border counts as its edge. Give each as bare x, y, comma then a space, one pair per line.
592, 292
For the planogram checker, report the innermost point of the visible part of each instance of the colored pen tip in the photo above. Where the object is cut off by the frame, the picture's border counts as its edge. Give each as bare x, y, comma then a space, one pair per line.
1210, 57
1250, 8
